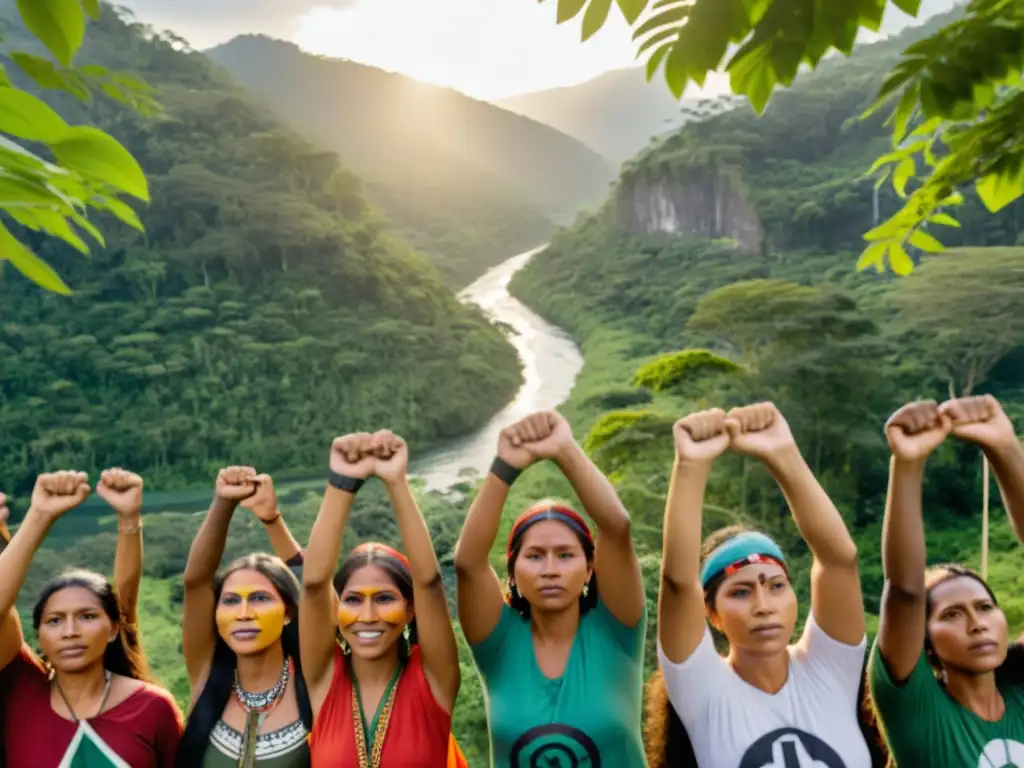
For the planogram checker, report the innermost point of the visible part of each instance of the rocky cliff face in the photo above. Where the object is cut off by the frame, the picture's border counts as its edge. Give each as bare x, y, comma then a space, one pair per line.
708, 203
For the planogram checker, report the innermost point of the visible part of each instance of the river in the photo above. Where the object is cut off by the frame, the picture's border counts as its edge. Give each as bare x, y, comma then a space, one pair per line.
550, 361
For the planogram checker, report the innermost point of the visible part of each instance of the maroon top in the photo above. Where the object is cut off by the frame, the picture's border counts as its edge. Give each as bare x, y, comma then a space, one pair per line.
144, 729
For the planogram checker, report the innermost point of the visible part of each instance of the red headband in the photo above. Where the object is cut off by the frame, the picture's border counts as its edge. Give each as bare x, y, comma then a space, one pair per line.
751, 559
375, 546
545, 511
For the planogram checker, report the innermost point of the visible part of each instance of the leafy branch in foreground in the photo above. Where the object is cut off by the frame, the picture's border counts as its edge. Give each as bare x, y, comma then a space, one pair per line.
90, 169
960, 89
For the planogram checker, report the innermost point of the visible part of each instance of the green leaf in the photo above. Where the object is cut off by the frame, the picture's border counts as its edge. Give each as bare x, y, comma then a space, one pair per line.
595, 17
59, 25
999, 189
30, 265
124, 212
900, 262
52, 223
909, 7
89, 227
92, 7
631, 9
925, 242
659, 37
669, 18
655, 60
750, 73
873, 255
904, 111
42, 71
903, 173
25, 116
945, 219
96, 155
676, 72
568, 9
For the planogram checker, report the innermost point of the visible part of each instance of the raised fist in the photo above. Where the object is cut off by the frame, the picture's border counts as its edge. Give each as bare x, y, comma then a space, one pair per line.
122, 490
354, 456
916, 430
262, 503
758, 431
392, 456
980, 420
544, 435
701, 437
57, 492
235, 483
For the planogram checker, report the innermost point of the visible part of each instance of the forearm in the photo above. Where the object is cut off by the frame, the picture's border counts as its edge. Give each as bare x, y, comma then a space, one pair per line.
481, 527
325, 539
128, 564
594, 490
820, 523
208, 545
281, 540
16, 558
1008, 466
903, 547
681, 533
426, 571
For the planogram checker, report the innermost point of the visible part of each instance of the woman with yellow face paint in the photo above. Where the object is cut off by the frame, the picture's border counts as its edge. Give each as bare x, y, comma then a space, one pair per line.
249, 704
383, 694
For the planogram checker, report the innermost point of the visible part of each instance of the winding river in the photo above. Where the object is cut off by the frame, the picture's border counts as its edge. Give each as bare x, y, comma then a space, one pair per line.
550, 362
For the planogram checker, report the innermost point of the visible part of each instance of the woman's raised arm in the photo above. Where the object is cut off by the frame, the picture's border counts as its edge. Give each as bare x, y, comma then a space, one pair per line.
199, 632
351, 462
263, 504
913, 432
433, 621
122, 490
53, 495
700, 438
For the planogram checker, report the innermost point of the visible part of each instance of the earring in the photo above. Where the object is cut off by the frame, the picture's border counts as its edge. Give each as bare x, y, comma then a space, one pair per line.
586, 589
406, 632
344, 647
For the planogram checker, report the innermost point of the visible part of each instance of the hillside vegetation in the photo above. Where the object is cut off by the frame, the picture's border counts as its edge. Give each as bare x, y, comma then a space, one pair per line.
265, 310
467, 182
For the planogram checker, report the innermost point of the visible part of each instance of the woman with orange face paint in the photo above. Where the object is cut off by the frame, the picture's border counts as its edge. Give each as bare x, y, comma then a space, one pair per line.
383, 694
561, 659
91, 692
240, 640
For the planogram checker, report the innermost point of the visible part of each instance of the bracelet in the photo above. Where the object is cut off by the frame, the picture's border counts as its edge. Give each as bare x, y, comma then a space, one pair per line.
504, 471
272, 520
131, 529
296, 560
344, 482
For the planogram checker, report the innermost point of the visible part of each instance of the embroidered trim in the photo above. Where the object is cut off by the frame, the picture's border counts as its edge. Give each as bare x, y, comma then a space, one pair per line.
229, 741
373, 761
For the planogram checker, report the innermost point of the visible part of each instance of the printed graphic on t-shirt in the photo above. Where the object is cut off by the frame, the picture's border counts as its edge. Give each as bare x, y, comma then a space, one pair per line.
554, 746
791, 748
1002, 753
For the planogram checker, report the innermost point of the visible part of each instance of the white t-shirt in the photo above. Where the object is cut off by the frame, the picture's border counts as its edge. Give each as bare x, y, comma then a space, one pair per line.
810, 723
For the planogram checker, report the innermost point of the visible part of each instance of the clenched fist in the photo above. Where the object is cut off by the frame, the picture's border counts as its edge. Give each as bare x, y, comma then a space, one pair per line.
235, 483
392, 455
544, 435
354, 455
701, 437
263, 502
980, 420
58, 492
916, 430
122, 490
759, 431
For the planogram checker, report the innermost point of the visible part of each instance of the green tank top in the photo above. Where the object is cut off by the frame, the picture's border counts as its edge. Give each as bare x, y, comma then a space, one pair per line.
284, 748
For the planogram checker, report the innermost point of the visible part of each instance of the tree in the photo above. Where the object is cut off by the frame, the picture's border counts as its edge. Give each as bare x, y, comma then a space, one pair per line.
967, 309
91, 168
958, 93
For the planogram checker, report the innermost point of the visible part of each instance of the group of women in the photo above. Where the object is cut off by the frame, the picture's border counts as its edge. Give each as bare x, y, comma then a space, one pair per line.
293, 660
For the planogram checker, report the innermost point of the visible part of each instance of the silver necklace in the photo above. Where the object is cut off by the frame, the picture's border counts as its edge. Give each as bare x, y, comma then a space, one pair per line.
108, 678
263, 700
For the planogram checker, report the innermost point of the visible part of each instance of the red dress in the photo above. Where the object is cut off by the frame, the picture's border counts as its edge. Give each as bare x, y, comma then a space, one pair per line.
144, 729
417, 734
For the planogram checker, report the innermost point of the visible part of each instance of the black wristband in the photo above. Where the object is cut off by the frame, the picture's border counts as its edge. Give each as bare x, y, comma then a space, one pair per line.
504, 471
344, 482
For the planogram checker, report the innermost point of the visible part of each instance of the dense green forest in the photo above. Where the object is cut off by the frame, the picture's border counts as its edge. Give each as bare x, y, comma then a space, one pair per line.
265, 309
463, 180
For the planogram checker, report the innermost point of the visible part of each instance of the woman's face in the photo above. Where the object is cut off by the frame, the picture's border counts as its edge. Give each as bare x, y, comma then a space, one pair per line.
74, 630
372, 612
756, 609
551, 569
250, 613
967, 629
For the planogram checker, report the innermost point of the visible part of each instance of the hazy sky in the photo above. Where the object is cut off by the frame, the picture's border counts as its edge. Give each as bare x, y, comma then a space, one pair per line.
486, 48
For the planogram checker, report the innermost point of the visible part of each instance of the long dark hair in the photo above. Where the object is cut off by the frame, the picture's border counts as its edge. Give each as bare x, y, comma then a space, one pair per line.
515, 599
124, 656
217, 691
399, 572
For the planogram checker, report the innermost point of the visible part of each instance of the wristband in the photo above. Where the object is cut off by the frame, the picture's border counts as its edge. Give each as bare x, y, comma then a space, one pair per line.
344, 482
504, 471
296, 560
272, 520
130, 529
